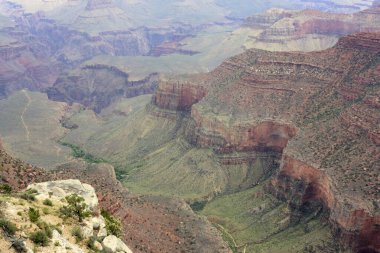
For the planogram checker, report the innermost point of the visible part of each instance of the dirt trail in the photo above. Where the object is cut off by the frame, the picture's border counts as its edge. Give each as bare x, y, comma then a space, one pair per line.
23, 113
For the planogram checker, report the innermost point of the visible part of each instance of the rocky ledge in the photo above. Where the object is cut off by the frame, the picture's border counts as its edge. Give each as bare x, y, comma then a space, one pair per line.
44, 218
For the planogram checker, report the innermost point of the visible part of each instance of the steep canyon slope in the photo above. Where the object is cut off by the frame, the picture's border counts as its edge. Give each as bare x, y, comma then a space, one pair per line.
308, 30
301, 126
150, 224
283, 136
320, 109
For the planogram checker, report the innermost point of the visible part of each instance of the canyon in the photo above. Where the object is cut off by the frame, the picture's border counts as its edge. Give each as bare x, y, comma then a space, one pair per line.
44, 49
308, 30
300, 127
221, 134
315, 109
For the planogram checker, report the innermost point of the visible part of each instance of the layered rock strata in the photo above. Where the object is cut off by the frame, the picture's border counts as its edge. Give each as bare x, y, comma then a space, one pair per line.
320, 110
88, 86
40, 50
320, 28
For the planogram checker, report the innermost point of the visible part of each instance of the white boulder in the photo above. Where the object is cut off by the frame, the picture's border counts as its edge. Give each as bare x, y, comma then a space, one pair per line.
64, 246
112, 244
62, 188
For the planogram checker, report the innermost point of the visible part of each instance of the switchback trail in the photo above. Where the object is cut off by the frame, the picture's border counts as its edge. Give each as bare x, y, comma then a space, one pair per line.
23, 113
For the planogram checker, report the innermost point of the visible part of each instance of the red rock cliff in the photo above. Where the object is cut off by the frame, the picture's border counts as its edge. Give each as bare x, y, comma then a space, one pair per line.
320, 109
173, 95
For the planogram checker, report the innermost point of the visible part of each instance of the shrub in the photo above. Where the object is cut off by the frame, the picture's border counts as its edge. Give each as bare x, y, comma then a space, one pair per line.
34, 214
77, 233
5, 188
47, 202
39, 237
113, 225
91, 242
45, 210
76, 207
29, 195
8, 227
18, 244
46, 228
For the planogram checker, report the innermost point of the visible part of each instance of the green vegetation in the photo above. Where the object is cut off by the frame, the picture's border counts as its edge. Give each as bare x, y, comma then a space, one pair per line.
19, 245
227, 238
29, 195
5, 188
113, 225
91, 243
78, 152
76, 207
198, 206
8, 227
33, 214
77, 233
257, 222
39, 238
47, 228
34, 108
47, 202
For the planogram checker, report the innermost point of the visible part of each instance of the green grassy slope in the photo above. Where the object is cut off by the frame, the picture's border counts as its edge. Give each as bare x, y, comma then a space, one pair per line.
254, 221
151, 157
148, 153
30, 127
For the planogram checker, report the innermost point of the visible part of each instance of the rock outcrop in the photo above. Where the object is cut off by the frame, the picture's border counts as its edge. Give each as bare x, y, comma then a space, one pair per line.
173, 95
60, 189
113, 244
150, 223
49, 196
97, 86
319, 30
318, 109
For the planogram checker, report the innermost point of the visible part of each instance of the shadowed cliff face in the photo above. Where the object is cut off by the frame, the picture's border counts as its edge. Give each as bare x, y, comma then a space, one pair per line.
97, 86
319, 109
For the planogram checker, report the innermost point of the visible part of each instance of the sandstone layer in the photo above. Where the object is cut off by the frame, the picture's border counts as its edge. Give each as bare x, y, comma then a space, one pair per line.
320, 110
315, 29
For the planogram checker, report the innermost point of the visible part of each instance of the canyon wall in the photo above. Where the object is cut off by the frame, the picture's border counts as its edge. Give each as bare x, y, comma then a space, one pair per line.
320, 110
173, 95
97, 86
40, 50
315, 29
